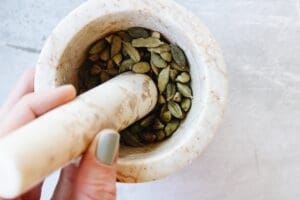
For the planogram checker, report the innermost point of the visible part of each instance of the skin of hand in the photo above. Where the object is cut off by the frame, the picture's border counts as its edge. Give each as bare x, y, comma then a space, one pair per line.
95, 177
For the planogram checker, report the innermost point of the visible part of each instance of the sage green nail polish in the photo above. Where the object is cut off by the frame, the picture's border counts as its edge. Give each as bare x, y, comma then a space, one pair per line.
108, 146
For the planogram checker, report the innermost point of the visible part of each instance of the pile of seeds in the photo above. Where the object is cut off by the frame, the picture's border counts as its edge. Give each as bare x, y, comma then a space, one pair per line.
143, 51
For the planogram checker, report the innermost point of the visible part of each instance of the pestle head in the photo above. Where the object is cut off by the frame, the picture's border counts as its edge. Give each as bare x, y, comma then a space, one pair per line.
42, 146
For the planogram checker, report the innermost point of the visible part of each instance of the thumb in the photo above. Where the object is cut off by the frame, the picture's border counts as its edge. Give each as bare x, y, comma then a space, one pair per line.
96, 177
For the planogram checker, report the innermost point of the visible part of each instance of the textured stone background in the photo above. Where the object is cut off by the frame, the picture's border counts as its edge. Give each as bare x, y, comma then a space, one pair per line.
256, 152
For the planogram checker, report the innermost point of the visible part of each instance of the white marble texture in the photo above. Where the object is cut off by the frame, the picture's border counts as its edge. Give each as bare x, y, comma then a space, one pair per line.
256, 152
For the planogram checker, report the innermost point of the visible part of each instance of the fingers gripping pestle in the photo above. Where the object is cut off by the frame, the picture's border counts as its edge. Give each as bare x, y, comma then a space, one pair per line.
32, 152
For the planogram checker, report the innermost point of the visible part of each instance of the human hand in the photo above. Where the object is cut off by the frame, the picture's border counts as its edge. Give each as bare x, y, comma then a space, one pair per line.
95, 178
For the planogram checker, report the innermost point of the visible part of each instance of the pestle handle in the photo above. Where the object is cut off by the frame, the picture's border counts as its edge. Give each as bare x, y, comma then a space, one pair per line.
32, 152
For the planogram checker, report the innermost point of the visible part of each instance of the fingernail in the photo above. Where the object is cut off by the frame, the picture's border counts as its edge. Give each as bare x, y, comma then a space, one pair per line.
108, 146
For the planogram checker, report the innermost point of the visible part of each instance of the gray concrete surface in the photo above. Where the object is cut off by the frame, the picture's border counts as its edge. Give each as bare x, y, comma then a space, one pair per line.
256, 152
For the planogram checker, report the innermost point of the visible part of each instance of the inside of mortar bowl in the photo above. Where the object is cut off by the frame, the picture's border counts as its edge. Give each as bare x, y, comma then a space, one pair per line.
76, 50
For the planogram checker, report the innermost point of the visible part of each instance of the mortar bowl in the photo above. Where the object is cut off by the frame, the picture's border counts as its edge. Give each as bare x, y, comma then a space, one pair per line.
65, 48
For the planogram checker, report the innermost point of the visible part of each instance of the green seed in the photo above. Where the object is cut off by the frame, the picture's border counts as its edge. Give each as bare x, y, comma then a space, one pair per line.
131, 139
173, 74
166, 56
117, 58
104, 76
163, 79
161, 99
104, 55
175, 109
158, 124
171, 127
185, 90
166, 116
177, 67
160, 135
154, 69
141, 67
158, 61
178, 55
177, 97
147, 120
94, 57
149, 42
170, 92
183, 77
98, 47
95, 70
116, 45
162, 48
132, 52
124, 36
186, 104
138, 32
155, 34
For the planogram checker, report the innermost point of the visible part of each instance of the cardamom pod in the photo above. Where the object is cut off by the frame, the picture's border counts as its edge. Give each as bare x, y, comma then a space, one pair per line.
161, 99
147, 120
185, 90
183, 77
135, 128
116, 45
160, 135
170, 92
124, 36
147, 136
154, 69
160, 49
166, 116
112, 71
117, 58
131, 139
166, 56
175, 109
126, 65
138, 32
164, 108
173, 74
109, 64
171, 127
104, 55
155, 34
146, 42
158, 61
157, 124
109, 38
179, 68
177, 97
141, 67
98, 47
178, 55
186, 104
132, 52
163, 79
